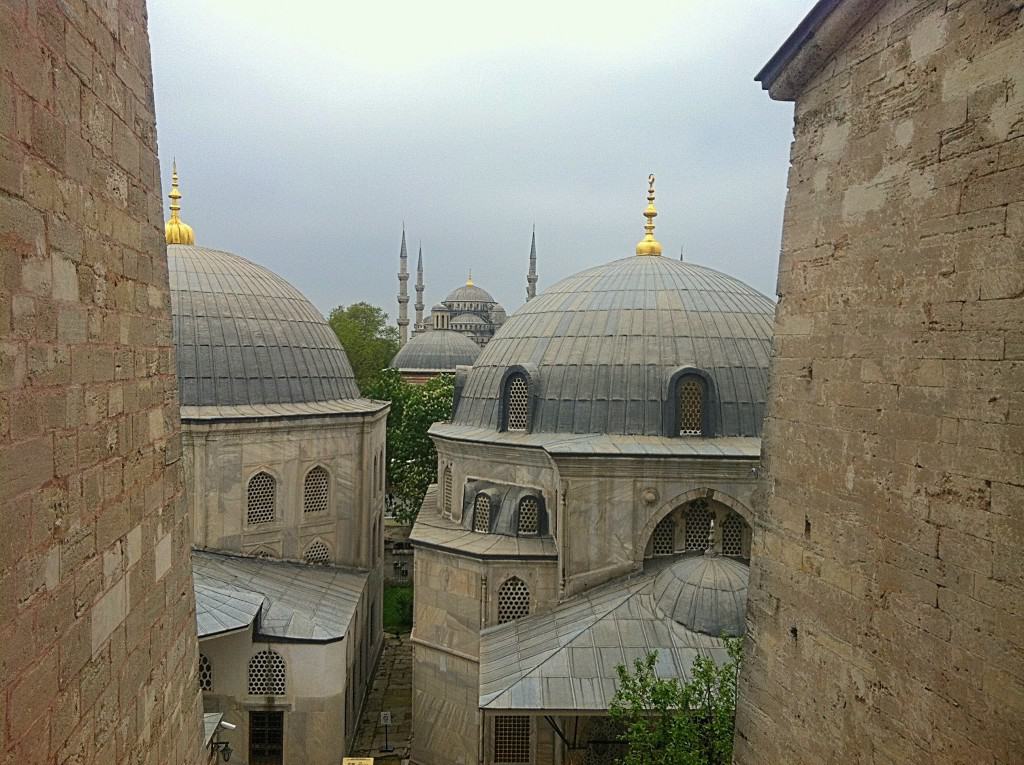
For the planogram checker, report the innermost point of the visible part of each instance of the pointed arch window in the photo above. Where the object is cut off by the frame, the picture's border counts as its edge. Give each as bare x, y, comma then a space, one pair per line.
513, 600
529, 516
262, 498
732, 534
690, 394
315, 491
318, 552
446, 491
267, 674
663, 540
482, 513
698, 525
517, 402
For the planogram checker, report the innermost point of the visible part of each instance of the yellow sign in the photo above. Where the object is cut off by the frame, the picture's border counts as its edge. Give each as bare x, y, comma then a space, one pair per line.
357, 761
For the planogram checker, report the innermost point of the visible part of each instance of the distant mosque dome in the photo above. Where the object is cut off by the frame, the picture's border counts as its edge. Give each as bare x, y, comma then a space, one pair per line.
705, 593
602, 348
469, 293
244, 335
436, 350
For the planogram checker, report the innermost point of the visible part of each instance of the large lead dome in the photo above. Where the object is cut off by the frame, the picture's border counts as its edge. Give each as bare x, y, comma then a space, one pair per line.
246, 336
601, 349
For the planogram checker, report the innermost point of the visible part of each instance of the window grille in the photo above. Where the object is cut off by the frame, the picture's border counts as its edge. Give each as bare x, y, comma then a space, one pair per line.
663, 541
266, 674
205, 673
691, 406
318, 552
529, 516
482, 513
513, 600
517, 403
262, 490
446, 491
732, 535
315, 491
512, 739
698, 525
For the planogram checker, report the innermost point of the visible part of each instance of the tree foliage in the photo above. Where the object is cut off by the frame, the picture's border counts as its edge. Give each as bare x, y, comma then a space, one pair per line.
668, 722
369, 341
412, 460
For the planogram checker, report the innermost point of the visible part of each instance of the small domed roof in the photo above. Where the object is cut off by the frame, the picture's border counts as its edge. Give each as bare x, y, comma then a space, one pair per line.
705, 593
439, 307
467, 318
437, 349
604, 344
245, 336
469, 293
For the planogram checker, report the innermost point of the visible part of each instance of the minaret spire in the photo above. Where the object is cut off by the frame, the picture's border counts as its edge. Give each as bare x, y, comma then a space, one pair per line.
531, 277
649, 245
176, 231
419, 289
403, 292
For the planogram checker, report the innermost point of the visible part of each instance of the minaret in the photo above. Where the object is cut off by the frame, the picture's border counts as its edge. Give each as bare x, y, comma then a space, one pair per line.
176, 231
403, 293
649, 245
531, 277
419, 289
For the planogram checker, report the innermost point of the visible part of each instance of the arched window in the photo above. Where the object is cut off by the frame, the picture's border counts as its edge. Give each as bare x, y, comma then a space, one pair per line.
318, 552
529, 516
262, 497
732, 534
663, 541
698, 525
512, 743
315, 491
517, 402
482, 513
513, 600
691, 406
205, 673
446, 491
267, 674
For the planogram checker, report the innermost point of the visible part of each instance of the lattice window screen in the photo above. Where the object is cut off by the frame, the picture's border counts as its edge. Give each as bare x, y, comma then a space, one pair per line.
266, 674
315, 491
262, 491
513, 600
512, 740
664, 538
482, 513
318, 552
529, 515
205, 673
691, 406
732, 535
446, 491
517, 402
698, 525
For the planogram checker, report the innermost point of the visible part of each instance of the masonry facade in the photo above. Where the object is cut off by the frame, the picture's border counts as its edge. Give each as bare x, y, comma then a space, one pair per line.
886, 587
97, 642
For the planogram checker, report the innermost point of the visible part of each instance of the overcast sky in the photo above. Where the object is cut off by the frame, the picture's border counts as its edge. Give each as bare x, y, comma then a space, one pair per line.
306, 132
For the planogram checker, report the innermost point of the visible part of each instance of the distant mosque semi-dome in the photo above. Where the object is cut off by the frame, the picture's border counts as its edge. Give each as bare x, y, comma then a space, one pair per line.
611, 349
705, 593
437, 350
244, 335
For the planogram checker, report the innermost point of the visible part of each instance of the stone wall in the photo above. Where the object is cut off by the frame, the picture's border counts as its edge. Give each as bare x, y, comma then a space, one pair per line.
887, 591
97, 635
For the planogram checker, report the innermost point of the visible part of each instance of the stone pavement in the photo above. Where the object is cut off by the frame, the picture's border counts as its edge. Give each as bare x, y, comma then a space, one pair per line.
392, 691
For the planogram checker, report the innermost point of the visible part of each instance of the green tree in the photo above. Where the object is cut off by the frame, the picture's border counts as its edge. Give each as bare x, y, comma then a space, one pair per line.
369, 341
669, 722
412, 460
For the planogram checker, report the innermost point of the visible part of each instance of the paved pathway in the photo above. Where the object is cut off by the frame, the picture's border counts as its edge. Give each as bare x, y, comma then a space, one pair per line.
392, 690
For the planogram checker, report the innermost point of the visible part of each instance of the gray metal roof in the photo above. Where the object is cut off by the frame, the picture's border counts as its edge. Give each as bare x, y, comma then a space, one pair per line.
604, 343
299, 601
469, 293
565, 659
436, 349
433, 530
564, 444
705, 593
341, 407
246, 336
210, 722
224, 609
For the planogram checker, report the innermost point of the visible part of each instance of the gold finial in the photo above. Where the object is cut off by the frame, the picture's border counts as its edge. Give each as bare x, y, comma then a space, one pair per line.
175, 230
469, 281
649, 245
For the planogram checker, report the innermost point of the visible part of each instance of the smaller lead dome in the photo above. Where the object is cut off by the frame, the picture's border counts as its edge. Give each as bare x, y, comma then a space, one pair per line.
436, 350
705, 593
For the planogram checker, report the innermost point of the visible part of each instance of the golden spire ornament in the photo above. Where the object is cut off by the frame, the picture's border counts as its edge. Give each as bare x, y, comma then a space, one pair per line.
177, 231
469, 281
649, 245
